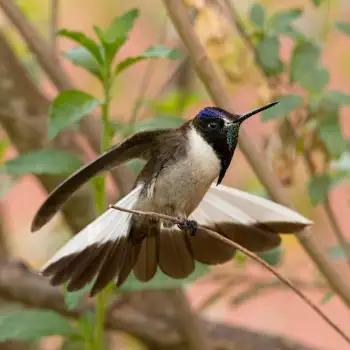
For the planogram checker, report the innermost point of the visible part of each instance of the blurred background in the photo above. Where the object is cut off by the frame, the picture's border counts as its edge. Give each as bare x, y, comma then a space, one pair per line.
302, 54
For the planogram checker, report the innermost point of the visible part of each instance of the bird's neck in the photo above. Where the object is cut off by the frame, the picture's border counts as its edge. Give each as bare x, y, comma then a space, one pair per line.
208, 146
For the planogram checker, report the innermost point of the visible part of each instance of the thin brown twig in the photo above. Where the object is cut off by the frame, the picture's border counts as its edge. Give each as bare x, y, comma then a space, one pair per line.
253, 256
236, 19
53, 23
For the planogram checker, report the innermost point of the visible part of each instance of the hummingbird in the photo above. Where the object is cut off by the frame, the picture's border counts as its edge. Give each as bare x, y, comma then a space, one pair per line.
182, 178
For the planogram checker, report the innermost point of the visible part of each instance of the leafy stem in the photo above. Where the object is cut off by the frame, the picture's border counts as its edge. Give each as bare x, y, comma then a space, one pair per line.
101, 201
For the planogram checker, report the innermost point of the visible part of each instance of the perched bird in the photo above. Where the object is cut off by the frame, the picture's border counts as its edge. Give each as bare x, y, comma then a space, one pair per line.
178, 180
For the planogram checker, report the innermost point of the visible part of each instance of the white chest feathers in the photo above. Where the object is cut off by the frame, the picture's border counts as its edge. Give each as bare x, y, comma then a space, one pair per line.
203, 160
183, 186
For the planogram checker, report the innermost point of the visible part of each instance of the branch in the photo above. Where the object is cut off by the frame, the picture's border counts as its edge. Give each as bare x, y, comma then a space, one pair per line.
207, 74
158, 333
54, 22
253, 256
23, 115
49, 62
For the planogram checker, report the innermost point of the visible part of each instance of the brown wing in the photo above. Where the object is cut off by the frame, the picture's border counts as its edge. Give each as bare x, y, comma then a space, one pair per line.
139, 146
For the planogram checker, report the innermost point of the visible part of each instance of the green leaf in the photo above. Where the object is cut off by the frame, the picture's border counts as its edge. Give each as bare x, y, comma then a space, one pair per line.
343, 163
317, 2
3, 147
240, 259
6, 183
305, 67
162, 281
318, 188
158, 122
272, 257
159, 51
84, 41
315, 80
117, 33
32, 325
136, 165
257, 15
173, 101
331, 134
336, 252
268, 54
343, 27
69, 107
327, 297
83, 58
47, 161
338, 97
69, 344
280, 22
305, 58
287, 103
72, 299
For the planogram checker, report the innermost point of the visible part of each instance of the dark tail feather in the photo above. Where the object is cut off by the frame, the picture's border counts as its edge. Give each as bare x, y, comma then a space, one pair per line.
208, 249
110, 267
87, 269
147, 261
256, 237
175, 258
129, 261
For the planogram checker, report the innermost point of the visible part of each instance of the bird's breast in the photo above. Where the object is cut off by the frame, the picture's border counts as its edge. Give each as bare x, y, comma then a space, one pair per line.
180, 187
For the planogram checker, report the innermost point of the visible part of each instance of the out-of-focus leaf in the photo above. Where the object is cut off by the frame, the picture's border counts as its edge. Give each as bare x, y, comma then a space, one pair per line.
257, 15
318, 188
84, 41
343, 27
32, 325
169, 104
343, 163
70, 344
162, 281
268, 53
117, 33
3, 147
159, 51
273, 256
83, 58
315, 80
336, 252
280, 22
317, 2
136, 165
338, 97
158, 122
327, 297
331, 135
47, 161
240, 259
6, 183
305, 58
68, 108
287, 103
72, 299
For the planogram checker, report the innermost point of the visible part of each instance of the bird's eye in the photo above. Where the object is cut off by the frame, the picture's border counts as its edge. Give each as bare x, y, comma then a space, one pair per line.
212, 125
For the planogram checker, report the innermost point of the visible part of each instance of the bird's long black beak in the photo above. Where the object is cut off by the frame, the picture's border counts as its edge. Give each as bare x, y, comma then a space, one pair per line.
245, 116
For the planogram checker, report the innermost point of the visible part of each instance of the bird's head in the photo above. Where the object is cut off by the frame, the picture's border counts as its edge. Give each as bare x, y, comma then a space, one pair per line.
220, 129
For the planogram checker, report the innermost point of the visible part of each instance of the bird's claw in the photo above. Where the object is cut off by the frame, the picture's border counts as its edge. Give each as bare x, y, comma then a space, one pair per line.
189, 225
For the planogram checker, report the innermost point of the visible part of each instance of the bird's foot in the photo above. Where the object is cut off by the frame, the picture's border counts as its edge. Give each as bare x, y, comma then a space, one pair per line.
189, 225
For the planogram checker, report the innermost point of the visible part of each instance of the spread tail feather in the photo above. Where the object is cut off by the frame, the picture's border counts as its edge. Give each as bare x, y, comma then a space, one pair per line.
97, 252
113, 245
